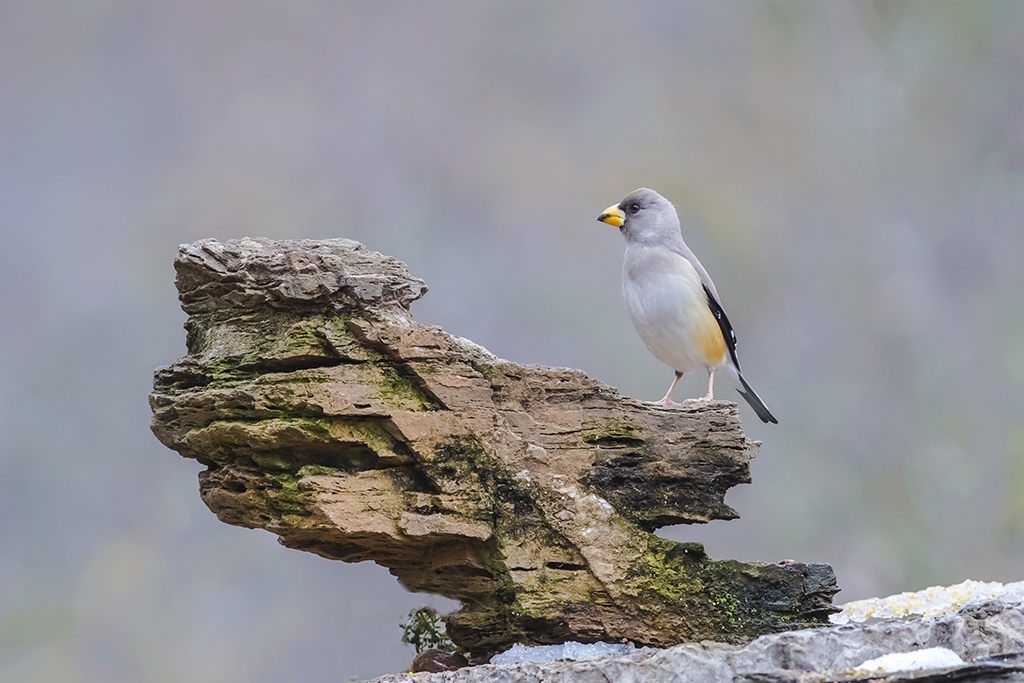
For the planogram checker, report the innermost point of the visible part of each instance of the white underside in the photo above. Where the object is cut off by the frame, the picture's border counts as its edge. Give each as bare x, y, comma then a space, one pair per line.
663, 295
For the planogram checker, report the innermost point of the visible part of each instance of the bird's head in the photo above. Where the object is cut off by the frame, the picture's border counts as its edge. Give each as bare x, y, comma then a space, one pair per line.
643, 216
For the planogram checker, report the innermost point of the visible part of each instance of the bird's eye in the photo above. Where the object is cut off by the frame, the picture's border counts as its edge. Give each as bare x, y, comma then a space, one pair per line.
634, 207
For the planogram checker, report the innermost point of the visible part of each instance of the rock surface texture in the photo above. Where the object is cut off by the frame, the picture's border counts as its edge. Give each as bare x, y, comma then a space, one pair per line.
327, 415
989, 637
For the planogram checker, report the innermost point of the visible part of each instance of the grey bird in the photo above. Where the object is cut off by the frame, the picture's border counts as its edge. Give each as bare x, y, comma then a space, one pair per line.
671, 299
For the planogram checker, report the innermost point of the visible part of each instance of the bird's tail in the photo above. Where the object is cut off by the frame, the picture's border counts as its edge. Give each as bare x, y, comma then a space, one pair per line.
751, 397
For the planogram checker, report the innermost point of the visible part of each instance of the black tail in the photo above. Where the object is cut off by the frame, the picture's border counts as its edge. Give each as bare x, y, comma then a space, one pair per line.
751, 397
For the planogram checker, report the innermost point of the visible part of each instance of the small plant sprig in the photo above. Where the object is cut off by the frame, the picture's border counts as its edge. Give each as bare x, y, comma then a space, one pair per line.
425, 631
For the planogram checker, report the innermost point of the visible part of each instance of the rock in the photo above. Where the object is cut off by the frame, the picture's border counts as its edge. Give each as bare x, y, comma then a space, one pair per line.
327, 415
567, 650
929, 658
989, 637
930, 602
436, 661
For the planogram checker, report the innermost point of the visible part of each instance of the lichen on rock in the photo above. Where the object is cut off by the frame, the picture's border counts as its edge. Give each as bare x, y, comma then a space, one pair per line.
326, 414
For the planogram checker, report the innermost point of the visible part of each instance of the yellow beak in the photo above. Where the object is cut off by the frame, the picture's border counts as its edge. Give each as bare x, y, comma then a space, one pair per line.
613, 216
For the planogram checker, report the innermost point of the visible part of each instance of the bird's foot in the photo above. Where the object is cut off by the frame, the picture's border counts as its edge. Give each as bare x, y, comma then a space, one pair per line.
667, 402
699, 401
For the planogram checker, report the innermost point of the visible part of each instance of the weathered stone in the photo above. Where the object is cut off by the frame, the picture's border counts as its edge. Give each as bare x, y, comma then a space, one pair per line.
436, 661
988, 637
327, 415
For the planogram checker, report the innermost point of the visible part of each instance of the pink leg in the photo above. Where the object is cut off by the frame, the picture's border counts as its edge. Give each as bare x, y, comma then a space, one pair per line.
711, 390
667, 399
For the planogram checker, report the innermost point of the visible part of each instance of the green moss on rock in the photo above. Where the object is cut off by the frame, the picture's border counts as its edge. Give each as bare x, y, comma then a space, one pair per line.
611, 433
399, 391
668, 571
287, 497
272, 460
318, 471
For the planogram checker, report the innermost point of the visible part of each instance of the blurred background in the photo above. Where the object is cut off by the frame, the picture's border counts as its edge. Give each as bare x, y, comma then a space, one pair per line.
851, 174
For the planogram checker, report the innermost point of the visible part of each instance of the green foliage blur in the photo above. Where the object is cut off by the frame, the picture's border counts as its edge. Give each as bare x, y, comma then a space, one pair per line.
424, 630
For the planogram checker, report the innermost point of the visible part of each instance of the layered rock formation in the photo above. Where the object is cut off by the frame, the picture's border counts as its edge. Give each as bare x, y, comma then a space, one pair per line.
327, 415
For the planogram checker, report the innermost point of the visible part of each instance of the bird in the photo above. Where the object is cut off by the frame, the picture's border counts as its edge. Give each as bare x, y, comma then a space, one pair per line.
671, 299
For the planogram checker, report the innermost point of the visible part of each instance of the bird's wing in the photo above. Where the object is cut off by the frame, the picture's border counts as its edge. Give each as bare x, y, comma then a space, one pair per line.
724, 324
684, 251
714, 303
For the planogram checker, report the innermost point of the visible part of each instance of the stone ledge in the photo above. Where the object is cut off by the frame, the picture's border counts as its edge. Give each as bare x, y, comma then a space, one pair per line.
988, 636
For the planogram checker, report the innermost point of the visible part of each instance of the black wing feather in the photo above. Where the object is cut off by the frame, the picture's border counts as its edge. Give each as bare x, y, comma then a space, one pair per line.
725, 325
730, 341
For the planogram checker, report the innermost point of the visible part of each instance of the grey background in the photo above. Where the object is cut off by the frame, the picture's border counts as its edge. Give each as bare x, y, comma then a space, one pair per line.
851, 173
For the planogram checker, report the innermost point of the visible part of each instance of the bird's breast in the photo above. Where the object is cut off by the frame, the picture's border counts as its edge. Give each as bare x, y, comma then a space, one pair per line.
666, 301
